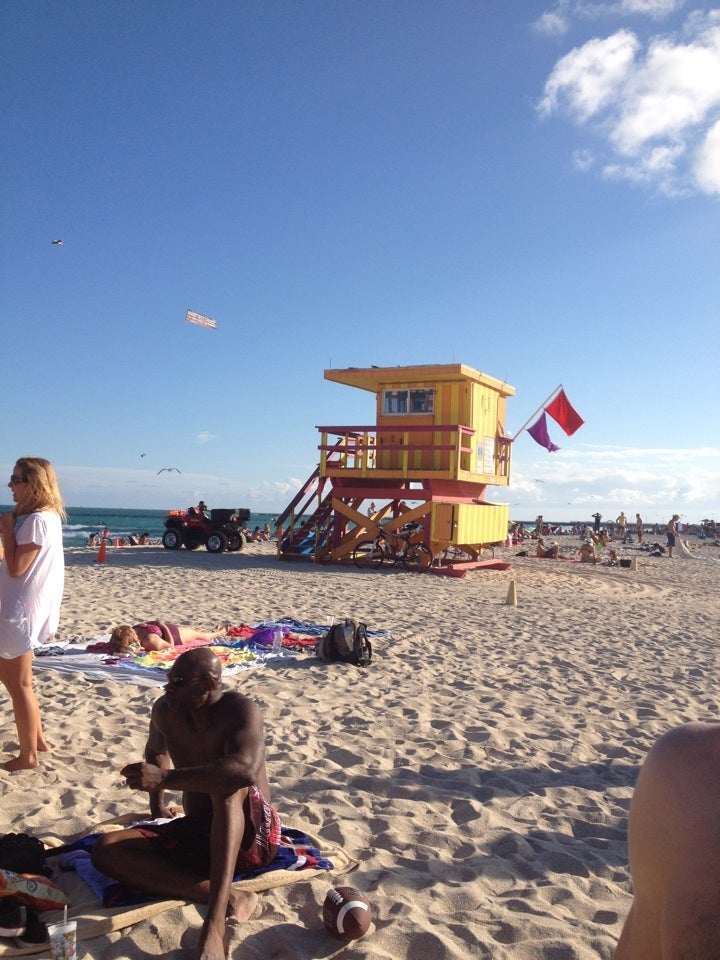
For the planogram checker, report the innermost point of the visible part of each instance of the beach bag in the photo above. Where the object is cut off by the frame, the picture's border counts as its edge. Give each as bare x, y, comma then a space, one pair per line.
345, 643
21, 853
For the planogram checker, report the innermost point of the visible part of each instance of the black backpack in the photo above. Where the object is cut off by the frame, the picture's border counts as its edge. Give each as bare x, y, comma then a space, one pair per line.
21, 853
345, 643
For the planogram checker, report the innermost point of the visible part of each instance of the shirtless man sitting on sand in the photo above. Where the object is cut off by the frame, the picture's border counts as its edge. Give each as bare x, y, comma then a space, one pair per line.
209, 743
674, 846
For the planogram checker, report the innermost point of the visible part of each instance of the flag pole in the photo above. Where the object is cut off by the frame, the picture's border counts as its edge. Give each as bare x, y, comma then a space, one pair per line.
541, 407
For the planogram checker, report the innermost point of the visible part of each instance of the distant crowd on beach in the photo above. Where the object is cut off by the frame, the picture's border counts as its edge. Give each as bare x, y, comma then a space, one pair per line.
600, 540
133, 540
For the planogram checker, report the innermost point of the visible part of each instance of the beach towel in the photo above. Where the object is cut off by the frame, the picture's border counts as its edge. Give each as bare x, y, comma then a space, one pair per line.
247, 646
94, 919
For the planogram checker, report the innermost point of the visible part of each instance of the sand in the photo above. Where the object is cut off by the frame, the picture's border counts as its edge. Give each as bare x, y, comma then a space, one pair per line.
480, 769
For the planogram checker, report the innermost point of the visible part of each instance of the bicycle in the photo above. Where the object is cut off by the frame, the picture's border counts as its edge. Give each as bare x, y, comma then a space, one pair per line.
453, 554
396, 547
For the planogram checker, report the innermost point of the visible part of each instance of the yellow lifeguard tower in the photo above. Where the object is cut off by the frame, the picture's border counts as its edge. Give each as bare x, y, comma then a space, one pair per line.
437, 443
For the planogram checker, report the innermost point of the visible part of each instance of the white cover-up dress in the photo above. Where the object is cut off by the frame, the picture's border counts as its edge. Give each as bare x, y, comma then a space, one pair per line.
30, 604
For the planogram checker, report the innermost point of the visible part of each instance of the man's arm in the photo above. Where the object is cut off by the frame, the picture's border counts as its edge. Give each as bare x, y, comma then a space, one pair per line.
156, 757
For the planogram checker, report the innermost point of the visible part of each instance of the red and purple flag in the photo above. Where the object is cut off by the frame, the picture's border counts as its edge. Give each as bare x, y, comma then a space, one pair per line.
562, 411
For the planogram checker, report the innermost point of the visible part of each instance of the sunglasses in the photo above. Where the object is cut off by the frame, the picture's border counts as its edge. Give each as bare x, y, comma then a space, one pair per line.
15, 480
181, 681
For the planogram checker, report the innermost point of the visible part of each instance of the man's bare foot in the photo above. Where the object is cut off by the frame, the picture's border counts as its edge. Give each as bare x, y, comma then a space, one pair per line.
21, 763
42, 745
241, 905
211, 945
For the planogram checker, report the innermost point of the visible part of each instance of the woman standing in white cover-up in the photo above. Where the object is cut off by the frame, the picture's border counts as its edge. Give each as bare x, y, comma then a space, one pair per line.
32, 576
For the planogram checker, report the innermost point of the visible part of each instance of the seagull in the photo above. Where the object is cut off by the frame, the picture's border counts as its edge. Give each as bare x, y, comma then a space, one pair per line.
58, 243
169, 469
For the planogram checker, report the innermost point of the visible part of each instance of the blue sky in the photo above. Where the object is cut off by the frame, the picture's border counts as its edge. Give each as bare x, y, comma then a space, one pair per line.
528, 188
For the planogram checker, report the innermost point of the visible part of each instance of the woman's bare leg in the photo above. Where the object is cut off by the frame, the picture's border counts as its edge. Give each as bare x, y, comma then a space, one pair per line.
16, 675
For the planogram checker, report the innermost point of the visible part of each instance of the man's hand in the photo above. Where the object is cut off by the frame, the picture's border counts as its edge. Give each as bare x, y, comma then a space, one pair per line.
144, 776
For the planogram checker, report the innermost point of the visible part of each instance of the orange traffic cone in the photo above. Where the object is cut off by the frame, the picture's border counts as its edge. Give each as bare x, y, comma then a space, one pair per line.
102, 553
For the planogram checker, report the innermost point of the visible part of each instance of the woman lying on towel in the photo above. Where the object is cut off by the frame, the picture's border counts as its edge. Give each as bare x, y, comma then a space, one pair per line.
156, 635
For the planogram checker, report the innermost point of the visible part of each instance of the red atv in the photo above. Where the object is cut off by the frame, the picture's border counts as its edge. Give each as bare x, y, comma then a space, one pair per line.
190, 528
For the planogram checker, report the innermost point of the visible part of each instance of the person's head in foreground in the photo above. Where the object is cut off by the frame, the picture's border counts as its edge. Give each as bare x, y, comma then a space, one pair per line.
674, 850
35, 487
194, 680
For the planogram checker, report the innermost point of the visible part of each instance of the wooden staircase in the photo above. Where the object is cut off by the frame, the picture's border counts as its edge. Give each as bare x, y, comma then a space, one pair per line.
307, 522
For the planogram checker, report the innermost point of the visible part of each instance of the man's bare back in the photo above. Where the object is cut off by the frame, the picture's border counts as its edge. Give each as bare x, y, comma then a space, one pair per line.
674, 847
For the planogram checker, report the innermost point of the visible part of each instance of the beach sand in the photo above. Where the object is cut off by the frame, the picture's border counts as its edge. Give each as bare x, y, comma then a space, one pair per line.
480, 770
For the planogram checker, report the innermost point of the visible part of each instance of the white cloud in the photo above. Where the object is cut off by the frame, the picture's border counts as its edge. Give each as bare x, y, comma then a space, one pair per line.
553, 24
590, 77
707, 161
205, 437
577, 482
583, 160
558, 18
652, 8
655, 108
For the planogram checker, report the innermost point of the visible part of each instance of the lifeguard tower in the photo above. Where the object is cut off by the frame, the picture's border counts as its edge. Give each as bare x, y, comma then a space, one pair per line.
437, 443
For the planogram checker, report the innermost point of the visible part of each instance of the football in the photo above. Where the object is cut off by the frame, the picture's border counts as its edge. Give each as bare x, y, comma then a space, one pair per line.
346, 913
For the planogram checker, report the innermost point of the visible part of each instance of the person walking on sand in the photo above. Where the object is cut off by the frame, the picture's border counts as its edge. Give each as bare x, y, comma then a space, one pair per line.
210, 744
621, 525
674, 850
32, 577
672, 534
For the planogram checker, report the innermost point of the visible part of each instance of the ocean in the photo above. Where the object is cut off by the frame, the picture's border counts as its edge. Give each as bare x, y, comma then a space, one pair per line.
82, 521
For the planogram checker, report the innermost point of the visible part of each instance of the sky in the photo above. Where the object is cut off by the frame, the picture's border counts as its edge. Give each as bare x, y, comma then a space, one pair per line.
529, 188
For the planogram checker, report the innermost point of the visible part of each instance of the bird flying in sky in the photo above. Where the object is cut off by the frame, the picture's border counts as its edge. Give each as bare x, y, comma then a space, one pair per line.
58, 243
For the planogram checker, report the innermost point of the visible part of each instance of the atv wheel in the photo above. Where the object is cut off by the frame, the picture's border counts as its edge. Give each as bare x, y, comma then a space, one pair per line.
172, 539
235, 541
216, 542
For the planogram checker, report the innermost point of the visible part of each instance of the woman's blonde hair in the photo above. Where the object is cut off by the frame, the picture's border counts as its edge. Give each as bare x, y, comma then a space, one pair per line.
123, 639
42, 491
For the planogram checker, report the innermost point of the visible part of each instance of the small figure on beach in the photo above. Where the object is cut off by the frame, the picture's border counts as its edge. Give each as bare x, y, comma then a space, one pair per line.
597, 519
156, 635
210, 744
547, 552
621, 525
674, 850
587, 551
32, 577
639, 527
672, 534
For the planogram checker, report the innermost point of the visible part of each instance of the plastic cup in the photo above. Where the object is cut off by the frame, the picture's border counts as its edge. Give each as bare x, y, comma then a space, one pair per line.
63, 940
